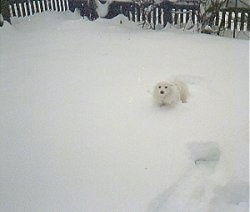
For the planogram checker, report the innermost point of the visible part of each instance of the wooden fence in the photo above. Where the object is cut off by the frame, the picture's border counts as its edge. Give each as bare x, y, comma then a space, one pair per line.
21, 8
161, 14
234, 19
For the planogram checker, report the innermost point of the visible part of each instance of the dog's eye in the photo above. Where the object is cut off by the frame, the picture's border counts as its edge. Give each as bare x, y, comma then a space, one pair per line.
166, 87
159, 87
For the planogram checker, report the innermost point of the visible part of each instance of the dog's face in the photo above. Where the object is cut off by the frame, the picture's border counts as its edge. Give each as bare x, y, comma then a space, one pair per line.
162, 89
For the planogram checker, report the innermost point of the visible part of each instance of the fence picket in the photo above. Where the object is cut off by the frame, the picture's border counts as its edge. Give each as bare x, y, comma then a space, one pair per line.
217, 19
12, 10
159, 15
62, 5
58, 5
53, 5
154, 17
22, 10
182, 16
27, 8
138, 14
223, 20
194, 16
45, 5
42, 6
149, 17
15, 9
235, 20
242, 17
133, 12
143, 18
18, 9
248, 21
36, 6
67, 4
229, 20
58, 2
187, 16
49, 5
33, 5
19, 6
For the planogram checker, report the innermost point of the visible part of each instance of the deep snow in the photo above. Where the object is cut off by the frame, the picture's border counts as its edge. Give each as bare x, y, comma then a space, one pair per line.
79, 130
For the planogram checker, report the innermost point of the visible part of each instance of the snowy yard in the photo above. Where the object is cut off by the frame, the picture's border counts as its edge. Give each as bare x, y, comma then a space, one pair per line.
79, 130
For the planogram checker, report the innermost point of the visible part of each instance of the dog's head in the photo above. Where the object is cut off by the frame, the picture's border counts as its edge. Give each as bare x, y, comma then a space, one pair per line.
162, 89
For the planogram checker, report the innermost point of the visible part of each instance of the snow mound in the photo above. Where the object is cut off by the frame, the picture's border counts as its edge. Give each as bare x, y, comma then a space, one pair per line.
197, 190
231, 197
204, 152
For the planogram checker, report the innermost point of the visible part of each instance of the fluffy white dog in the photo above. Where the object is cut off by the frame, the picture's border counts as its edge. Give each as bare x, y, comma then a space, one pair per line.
169, 93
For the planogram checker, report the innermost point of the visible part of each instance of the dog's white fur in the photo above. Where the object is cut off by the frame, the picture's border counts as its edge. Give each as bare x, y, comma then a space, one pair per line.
169, 93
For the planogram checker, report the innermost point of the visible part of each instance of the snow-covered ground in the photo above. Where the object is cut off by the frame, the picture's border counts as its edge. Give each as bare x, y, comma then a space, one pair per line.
79, 130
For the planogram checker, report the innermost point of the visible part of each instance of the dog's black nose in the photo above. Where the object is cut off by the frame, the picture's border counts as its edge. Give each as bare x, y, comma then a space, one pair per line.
161, 92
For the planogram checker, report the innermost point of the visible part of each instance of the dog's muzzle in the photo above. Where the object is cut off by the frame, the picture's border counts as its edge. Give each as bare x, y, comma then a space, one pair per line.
161, 92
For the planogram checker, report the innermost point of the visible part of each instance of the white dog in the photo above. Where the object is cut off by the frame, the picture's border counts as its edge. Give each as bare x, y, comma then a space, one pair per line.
169, 93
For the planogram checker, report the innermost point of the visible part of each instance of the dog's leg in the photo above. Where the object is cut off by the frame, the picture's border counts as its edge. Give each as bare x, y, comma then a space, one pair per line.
183, 100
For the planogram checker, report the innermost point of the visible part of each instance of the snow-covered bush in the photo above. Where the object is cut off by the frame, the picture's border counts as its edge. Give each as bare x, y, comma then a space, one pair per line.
1, 20
102, 9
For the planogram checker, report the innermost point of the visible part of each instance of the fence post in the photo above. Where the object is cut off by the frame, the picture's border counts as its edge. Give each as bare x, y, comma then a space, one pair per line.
242, 18
248, 21
217, 18
176, 16
193, 16
235, 23
223, 22
138, 13
159, 15
27, 8
187, 16
182, 16
143, 18
37, 6
133, 11
229, 20
154, 17
148, 18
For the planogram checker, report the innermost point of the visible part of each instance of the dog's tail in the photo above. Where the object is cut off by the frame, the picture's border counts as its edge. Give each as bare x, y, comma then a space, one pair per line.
184, 92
